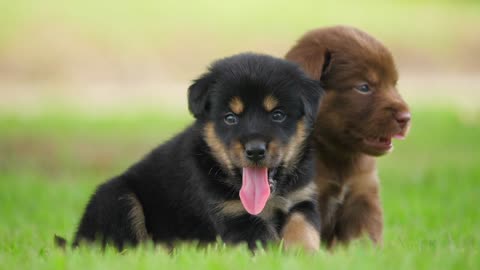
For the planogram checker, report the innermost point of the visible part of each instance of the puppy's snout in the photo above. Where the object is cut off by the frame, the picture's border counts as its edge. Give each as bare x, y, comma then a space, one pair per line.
255, 150
402, 118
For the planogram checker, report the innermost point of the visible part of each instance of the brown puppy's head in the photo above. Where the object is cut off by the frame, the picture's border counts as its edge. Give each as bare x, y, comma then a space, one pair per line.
362, 110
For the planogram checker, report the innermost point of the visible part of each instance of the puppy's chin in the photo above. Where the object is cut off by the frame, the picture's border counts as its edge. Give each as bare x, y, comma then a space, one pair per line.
379, 145
376, 151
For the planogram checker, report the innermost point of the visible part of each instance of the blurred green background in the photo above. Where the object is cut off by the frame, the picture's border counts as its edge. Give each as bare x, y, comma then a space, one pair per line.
88, 87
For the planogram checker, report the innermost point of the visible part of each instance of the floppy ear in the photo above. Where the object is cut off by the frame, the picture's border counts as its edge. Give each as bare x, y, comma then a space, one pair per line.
315, 62
327, 63
198, 95
311, 95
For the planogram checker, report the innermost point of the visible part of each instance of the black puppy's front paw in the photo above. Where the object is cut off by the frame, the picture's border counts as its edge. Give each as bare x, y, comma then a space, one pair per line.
248, 229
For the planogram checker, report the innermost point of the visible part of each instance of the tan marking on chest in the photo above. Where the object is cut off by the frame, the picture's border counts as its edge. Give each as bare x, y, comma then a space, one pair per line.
235, 207
275, 203
306, 193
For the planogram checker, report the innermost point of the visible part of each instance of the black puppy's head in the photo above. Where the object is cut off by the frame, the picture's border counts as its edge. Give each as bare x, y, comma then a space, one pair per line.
256, 111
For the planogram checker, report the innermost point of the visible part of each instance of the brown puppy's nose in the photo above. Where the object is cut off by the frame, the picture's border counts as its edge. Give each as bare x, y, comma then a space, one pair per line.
255, 150
403, 118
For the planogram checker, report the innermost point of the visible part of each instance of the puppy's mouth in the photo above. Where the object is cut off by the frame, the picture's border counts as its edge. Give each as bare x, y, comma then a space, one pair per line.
382, 143
257, 184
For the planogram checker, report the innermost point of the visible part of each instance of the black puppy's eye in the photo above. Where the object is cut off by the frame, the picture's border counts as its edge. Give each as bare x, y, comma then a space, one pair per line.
278, 116
231, 119
363, 88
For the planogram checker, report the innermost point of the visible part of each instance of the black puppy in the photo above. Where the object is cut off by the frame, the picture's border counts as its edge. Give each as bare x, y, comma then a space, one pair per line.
238, 172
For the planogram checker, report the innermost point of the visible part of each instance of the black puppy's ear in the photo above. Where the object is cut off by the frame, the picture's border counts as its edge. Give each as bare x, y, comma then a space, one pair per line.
311, 95
198, 95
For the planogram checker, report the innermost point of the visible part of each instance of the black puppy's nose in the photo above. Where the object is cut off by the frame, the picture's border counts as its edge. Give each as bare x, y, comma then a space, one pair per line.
255, 150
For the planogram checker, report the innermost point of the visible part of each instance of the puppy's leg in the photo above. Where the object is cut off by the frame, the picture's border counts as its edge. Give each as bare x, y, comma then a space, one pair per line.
302, 228
113, 214
330, 199
247, 228
361, 213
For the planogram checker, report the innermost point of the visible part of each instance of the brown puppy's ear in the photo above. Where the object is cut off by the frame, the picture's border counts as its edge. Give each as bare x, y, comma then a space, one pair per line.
327, 63
311, 95
198, 94
314, 61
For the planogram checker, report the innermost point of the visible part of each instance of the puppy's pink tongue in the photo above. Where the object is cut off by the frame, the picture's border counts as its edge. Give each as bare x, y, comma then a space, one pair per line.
255, 189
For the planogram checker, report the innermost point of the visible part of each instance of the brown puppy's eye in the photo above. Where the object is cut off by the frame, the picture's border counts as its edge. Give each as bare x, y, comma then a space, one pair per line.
231, 119
363, 88
278, 116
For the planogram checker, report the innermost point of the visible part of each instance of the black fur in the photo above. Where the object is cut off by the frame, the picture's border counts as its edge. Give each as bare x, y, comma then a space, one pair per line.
182, 183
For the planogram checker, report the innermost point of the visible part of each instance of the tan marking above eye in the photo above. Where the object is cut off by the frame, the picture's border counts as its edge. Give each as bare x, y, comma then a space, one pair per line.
236, 105
270, 103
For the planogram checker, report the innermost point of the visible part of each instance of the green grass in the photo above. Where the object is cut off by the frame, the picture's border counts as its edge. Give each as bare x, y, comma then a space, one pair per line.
51, 162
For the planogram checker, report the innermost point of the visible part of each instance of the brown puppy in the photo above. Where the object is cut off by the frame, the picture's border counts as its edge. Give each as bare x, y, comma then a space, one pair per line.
360, 114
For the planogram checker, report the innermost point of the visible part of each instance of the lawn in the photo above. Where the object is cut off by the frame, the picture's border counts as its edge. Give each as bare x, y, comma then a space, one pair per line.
51, 161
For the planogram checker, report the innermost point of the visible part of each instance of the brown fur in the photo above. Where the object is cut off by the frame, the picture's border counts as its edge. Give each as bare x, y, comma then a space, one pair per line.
298, 232
137, 217
296, 144
218, 149
236, 105
343, 58
269, 103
